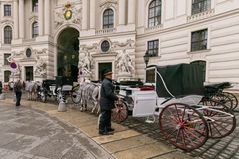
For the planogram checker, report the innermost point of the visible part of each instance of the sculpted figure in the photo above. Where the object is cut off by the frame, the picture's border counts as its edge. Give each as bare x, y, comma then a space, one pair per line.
124, 62
40, 68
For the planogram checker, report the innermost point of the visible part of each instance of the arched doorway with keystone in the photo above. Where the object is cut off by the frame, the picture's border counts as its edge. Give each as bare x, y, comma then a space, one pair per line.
68, 53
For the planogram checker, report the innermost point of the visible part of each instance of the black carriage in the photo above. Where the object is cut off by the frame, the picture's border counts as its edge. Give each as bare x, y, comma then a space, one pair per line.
216, 92
48, 89
186, 118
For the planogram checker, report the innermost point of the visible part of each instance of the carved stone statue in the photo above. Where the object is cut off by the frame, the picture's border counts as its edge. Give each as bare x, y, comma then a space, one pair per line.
85, 63
124, 62
40, 68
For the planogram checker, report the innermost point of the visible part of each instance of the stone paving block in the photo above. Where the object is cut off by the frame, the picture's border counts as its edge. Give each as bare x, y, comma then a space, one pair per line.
23, 144
116, 136
128, 143
8, 154
173, 155
143, 152
6, 138
90, 130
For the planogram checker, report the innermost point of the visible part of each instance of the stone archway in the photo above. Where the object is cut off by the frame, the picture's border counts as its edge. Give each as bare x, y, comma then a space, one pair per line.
68, 53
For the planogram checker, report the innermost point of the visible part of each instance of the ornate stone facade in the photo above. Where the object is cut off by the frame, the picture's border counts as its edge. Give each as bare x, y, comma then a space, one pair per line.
120, 45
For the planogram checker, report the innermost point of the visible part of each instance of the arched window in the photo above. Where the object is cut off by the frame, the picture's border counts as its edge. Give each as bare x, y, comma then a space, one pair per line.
108, 19
154, 13
7, 35
7, 76
35, 30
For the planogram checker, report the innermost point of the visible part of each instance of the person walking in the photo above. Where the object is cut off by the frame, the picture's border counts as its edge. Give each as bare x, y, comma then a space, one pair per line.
107, 99
0, 87
18, 91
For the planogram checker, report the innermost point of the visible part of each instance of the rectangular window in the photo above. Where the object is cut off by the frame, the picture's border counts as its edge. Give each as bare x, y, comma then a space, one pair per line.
5, 59
199, 6
199, 40
153, 47
7, 76
35, 6
150, 75
7, 10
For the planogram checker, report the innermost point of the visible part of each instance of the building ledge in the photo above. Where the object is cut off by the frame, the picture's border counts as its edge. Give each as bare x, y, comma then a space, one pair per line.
200, 16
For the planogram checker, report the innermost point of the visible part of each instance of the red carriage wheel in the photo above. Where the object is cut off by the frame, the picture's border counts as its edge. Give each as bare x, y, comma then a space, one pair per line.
220, 123
183, 126
120, 112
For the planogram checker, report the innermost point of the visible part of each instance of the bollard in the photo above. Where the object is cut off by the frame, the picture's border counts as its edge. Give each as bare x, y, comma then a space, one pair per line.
2, 96
62, 107
62, 104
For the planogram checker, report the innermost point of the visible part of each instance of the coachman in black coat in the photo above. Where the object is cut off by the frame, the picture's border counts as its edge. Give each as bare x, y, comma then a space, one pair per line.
107, 100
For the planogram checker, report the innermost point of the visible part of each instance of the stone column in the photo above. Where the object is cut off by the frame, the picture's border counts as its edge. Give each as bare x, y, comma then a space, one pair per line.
92, 14
41, 17
131, 11
15, 19
122, 6
21, 19
84, 14
140, 13
47, 17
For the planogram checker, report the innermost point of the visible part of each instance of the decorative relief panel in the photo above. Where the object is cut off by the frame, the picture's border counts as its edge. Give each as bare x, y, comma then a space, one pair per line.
70, 13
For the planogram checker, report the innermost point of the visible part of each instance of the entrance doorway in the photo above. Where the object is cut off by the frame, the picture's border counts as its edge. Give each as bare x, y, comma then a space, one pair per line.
102, 67
68, 53
29, 73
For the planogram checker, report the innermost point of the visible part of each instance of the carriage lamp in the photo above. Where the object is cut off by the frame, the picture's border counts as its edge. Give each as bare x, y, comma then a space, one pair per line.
146, 58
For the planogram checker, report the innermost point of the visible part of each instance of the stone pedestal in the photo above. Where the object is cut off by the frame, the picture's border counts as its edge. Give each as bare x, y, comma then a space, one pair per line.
2, 96
124, 75
62, 107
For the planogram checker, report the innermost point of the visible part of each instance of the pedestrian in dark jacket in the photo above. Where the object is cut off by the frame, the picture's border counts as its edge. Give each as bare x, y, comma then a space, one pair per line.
18, 92
0, 87
107, 99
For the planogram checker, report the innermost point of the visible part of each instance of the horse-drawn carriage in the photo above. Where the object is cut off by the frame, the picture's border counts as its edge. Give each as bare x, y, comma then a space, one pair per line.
186, 117
59, 88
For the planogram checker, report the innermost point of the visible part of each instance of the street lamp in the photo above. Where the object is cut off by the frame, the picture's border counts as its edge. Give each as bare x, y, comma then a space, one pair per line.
146, 58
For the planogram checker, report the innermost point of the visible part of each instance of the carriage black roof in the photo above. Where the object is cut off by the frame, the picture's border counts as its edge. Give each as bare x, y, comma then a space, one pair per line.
180, 79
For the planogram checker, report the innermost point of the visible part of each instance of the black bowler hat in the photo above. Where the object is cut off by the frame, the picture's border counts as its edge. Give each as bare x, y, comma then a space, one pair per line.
107, 72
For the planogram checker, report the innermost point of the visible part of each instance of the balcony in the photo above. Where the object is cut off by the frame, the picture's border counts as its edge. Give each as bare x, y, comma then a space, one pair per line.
153, 28
199, 16
105, 31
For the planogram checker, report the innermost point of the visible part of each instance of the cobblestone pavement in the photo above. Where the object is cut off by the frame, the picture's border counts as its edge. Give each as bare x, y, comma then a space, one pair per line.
225, 148
29, 134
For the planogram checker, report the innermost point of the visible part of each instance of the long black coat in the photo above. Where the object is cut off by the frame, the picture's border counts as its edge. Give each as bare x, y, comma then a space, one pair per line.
107, 96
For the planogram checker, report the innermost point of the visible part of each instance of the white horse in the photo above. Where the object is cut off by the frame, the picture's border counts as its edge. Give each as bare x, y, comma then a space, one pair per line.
89, 93
31, 89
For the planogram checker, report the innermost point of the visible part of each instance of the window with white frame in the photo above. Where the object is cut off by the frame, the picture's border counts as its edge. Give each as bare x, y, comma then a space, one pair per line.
199, 6
35, 6
6, 62
153, 47
35, 31
108, 19
7, 10
7, 76
154, 13
199, 40
7, 35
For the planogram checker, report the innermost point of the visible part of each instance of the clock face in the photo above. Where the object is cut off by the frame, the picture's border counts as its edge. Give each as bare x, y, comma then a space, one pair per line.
68, 14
